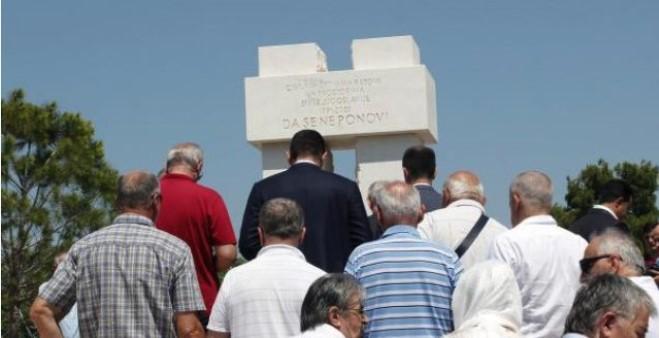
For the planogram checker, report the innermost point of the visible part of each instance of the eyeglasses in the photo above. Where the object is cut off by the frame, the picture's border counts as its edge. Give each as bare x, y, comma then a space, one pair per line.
359, 310
587, 264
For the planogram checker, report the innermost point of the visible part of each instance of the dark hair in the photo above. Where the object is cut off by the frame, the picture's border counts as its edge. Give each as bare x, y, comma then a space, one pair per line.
606, 292
281, 217
334, 289
419, 162
307, 142
135, 190
614, 189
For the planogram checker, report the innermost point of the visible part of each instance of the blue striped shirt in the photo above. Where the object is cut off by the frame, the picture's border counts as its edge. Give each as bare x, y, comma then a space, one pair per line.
409, 283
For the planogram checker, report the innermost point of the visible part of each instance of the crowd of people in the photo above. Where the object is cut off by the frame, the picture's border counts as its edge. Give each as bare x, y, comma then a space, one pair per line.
425, 263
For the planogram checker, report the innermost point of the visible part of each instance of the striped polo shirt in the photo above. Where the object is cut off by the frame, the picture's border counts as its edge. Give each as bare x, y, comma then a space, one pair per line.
409, 283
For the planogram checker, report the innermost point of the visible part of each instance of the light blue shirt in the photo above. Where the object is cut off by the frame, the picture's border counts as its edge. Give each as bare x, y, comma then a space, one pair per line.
409, 284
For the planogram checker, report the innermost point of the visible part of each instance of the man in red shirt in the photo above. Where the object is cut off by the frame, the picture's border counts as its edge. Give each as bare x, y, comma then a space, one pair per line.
197, 215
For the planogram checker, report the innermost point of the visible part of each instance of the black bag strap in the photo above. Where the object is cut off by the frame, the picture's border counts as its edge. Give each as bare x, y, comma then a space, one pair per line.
471, 236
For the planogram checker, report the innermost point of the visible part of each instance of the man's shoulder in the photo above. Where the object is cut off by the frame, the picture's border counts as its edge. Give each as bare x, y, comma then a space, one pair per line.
318, 176
382, 245
135, 234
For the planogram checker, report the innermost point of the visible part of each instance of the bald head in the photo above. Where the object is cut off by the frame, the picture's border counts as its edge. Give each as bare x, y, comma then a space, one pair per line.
530, 195
463, 185
136, 191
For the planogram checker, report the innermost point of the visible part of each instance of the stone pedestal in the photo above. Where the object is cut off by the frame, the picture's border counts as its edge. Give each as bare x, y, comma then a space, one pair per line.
381, 107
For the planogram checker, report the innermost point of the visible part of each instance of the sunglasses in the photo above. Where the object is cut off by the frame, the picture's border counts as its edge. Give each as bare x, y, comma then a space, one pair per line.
587, 264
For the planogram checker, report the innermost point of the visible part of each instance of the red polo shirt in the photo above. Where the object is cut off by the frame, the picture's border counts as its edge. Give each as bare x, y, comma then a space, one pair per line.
197, 215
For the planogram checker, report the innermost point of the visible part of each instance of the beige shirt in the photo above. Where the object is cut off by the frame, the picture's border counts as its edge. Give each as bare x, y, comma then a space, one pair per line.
451, 225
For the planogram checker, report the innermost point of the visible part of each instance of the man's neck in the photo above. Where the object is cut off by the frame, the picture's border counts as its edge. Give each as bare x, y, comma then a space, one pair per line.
182, 171
422, 181
294, 242
141, 212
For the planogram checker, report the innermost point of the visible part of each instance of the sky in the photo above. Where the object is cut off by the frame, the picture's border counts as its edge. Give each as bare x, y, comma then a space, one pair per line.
548, 85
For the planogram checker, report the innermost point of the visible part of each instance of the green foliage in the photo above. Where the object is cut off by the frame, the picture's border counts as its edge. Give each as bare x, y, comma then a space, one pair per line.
56, 188
582, 192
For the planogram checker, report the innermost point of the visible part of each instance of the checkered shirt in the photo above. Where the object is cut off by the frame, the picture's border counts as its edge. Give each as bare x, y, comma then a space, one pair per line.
129, 279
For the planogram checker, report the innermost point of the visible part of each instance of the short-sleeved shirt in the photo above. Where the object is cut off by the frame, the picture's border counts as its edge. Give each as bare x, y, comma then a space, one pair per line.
128, 279
263, 298
409, 284
197, 215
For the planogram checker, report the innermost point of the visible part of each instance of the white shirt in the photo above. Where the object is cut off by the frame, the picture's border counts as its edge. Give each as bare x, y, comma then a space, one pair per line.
545, 260
263, 298
451, 225
321, 331
650, 287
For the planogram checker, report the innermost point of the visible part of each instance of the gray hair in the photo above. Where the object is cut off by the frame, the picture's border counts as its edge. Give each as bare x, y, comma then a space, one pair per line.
604, 293
461, 189
185, 153
334, 289
375, 189
281, 217
612, 241
136, 190
398, 200
534, 188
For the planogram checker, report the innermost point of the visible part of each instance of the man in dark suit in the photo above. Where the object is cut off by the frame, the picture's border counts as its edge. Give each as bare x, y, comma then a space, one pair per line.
333, 209
419, 170
615, 198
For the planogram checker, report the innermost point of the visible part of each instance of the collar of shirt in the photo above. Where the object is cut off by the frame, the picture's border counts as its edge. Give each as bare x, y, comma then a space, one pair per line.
177, 177
574, 335
422, 184
130, 218
305, 161
599, 206
401, 229
538, 220
466, 203
281, 249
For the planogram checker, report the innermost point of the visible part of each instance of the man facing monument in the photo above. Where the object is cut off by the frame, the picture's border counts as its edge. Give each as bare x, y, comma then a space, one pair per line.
419, 169
128, 279
197, 215
333, 209
409, 281
543, 256
263, 297
462, 224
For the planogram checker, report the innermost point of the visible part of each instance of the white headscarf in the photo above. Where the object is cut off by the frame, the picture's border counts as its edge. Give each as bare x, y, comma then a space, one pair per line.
487, 302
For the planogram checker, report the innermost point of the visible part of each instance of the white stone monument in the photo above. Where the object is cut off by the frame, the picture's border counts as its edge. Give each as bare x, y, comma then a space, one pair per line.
385, 104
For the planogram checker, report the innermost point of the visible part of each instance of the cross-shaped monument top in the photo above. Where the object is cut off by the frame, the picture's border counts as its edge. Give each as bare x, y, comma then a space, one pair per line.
385, 104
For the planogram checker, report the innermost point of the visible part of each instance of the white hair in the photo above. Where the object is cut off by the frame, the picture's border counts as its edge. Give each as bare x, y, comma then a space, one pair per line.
612, 241
534, 188
376, 188
185, 153
460, 189
398, 200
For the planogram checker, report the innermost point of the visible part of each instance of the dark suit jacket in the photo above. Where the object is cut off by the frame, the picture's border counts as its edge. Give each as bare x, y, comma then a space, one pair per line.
429, 197
334, 214
596, 221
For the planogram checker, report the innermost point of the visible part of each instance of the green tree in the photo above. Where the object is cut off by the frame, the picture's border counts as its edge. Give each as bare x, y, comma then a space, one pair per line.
582, 192
56, 188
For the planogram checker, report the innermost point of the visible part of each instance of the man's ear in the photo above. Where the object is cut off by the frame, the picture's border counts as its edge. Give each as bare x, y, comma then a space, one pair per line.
406, 174
261, 236
334, 315
303, 234
446, 197
606, 325
288, 158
